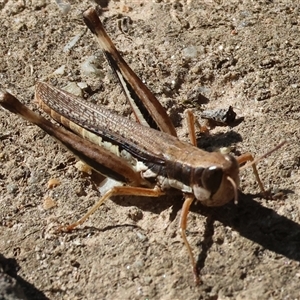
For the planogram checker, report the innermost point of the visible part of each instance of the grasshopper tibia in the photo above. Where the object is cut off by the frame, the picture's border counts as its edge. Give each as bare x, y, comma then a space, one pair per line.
249, 157
189, 198
115, 191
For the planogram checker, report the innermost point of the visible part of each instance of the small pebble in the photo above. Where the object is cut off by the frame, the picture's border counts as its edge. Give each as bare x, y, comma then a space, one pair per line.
12, 188
189, 52
52, 183
48, 203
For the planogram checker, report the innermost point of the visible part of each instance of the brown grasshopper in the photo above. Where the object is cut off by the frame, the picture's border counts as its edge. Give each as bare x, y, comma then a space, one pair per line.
145, 155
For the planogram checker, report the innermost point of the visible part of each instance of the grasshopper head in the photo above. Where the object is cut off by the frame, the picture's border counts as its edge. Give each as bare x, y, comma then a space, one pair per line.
217, 184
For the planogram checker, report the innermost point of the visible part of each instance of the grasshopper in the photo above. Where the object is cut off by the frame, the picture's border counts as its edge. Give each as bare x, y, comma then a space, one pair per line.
146, 156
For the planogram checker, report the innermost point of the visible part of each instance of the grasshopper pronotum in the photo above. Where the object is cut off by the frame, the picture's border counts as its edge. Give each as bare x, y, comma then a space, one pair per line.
146, 155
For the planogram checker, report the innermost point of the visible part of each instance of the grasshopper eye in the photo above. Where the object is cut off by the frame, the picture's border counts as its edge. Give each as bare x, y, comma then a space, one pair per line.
211, 178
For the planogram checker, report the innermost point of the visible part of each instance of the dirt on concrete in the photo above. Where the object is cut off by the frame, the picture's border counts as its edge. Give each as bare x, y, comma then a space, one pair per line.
191, 54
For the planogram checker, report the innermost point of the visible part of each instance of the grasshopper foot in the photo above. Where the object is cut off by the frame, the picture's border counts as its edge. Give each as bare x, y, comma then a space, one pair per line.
67, 228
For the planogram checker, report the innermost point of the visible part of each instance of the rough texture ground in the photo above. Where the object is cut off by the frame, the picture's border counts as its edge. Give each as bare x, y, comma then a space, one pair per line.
201, 54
